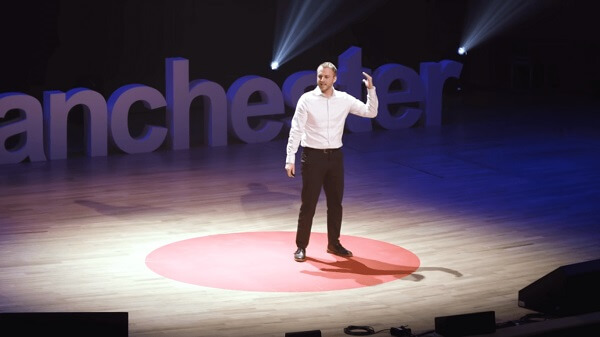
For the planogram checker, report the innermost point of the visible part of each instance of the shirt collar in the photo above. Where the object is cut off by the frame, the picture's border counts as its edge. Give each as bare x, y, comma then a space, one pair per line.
317, 91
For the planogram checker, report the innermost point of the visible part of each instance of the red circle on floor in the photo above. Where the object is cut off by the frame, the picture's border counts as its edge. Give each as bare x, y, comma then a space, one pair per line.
264, 261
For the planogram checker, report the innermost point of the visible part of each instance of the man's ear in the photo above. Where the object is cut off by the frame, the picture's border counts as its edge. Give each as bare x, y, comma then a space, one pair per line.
334, 79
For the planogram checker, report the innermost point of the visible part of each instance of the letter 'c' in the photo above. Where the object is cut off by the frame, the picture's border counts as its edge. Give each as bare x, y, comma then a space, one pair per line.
118, 110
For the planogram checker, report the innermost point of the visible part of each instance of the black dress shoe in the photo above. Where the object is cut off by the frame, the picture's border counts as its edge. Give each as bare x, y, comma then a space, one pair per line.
339, 250
300, 255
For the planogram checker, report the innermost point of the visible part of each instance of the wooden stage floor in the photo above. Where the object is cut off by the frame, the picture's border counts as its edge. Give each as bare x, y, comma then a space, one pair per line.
502, 194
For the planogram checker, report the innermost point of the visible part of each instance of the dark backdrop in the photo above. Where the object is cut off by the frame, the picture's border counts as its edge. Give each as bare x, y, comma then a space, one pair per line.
102, 45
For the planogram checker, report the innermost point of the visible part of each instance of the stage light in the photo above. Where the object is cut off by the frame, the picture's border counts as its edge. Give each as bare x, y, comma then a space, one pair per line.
302, 24
274, 65
462, 51
488, 18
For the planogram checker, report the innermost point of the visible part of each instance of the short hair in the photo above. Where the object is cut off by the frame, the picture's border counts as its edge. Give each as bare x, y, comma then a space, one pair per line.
328, 65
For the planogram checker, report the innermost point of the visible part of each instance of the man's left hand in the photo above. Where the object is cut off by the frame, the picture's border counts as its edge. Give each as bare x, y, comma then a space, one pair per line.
368, 80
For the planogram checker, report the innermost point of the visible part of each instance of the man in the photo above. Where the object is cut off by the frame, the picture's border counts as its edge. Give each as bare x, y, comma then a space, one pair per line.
318, 125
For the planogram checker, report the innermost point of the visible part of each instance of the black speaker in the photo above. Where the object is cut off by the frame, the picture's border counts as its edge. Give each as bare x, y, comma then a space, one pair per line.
566, 291
466, 324
311, 333
66, 324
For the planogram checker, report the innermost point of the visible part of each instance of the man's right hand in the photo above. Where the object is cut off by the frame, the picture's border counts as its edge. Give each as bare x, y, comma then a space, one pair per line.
290, 169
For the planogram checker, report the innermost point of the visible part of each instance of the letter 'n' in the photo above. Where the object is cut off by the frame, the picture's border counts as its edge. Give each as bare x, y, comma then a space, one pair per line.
57, 106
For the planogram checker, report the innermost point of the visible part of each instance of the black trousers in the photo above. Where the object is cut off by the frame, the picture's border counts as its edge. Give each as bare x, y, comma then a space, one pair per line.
321, 169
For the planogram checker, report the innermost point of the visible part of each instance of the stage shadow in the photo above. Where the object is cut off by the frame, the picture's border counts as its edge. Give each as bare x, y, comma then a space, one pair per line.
111, 210
369, 272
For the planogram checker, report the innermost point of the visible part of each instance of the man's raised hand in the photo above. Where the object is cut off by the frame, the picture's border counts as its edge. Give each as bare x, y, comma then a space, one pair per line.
368, 80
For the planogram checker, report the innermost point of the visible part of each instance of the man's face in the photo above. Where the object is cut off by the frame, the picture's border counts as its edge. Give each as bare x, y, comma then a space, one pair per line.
325, 79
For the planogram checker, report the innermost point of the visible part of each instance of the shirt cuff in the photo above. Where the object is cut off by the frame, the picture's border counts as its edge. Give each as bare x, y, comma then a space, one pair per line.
290, 159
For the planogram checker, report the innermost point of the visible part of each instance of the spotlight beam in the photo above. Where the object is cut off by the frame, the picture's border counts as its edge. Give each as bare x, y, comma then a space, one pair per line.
304, 23
489, 17
299, 28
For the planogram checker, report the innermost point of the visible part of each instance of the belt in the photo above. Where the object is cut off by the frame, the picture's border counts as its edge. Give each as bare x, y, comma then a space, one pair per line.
326, 151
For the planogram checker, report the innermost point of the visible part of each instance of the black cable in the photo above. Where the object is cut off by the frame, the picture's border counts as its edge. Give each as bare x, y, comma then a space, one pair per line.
361, 330
529, 318
356, 330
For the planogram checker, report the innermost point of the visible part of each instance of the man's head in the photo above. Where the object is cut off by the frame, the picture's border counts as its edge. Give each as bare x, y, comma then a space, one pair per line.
326, 77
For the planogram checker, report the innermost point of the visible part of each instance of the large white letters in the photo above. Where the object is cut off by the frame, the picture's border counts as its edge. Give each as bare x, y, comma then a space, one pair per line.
28, 131
57, 106
433, 76
411, 91
181, 93
240, 108
118, 110
28, 126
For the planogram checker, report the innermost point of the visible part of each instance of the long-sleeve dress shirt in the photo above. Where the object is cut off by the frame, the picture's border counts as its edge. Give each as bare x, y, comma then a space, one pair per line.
318, 121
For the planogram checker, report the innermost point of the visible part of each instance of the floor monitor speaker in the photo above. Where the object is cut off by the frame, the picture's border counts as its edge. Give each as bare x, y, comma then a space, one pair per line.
566, 291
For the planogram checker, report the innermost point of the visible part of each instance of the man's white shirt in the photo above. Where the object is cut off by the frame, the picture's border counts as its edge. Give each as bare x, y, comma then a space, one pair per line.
318, 121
